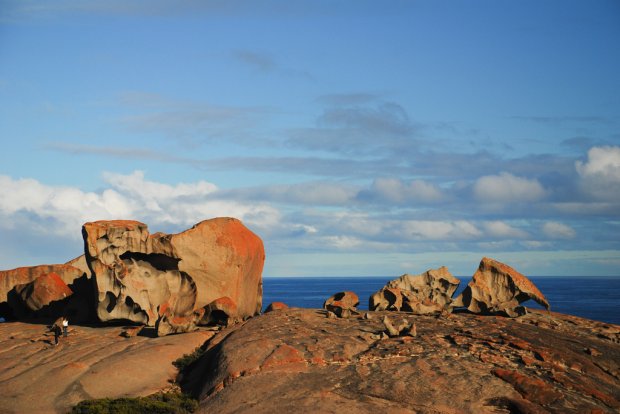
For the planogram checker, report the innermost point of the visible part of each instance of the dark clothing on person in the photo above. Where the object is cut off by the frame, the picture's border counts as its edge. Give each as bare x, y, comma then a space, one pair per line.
57, 333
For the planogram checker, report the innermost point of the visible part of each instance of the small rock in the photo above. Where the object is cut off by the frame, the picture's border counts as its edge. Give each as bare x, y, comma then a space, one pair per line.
391, 330
413, 330
343, 304
341, 310
131, 332
346, 299
276, 306
593, 351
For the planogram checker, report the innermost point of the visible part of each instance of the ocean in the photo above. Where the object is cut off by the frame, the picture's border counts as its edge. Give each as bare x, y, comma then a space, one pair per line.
590, 297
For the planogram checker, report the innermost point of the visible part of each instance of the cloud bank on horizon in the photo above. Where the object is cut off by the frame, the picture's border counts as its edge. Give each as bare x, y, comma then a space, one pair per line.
363, 138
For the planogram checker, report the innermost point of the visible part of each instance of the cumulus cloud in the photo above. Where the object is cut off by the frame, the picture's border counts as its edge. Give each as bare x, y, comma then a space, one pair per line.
507, 188
500, 229
600, 174
65, 209
556, 230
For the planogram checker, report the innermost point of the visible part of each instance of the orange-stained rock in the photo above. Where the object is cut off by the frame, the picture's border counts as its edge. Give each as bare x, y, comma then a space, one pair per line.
342, 304
45, 289
142, 278
222, 311
23, 275
12, 304
297, 360
276, 306
347, 298
429, 292
532, 389
498, 288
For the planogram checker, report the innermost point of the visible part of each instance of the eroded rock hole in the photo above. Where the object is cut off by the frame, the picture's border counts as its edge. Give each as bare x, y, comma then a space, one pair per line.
159, 261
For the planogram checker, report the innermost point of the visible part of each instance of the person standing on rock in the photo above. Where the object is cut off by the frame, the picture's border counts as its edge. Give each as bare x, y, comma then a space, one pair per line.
65, 326
57, 333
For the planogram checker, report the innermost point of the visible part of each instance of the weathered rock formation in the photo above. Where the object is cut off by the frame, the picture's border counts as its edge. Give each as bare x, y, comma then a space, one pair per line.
45, 289
429, 292
171, 278
297, 360
37, 290
497, 288
342, 304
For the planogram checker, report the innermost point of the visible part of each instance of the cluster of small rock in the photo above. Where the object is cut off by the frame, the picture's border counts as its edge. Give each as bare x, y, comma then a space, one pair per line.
495, 288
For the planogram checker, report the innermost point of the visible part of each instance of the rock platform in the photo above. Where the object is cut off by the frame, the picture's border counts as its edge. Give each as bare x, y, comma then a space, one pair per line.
298, 360
92, 362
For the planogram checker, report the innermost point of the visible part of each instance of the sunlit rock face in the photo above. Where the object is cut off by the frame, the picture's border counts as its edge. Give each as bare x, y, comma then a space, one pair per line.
171, 278
46, 290
497, 288
427, 293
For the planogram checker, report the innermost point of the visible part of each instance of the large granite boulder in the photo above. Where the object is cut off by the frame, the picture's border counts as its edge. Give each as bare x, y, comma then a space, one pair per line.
427, 293
143, 278
497, 288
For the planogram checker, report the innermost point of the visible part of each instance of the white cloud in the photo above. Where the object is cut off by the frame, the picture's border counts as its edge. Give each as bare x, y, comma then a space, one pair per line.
602, 161
439, 230
507, 188
500, 229
556, 230
535, 244
343, 242
64, 209
600, 174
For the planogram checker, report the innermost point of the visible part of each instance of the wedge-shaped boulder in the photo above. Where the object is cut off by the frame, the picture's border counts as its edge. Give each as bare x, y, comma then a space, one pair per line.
497, 288
45, 289
68, 272
144, 278
427, 293
22, 296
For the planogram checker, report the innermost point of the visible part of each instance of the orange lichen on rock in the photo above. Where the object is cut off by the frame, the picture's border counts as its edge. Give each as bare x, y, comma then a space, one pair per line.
276, 306
498, 288
144, 278
45, 289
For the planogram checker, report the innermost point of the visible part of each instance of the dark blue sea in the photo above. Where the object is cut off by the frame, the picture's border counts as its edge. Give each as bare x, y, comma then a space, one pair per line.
590, 297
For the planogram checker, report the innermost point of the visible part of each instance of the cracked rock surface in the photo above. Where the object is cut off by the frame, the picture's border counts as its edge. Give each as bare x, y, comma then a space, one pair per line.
297, 360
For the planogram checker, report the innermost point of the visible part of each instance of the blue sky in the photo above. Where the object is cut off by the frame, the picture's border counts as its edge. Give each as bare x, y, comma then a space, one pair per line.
355, 137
